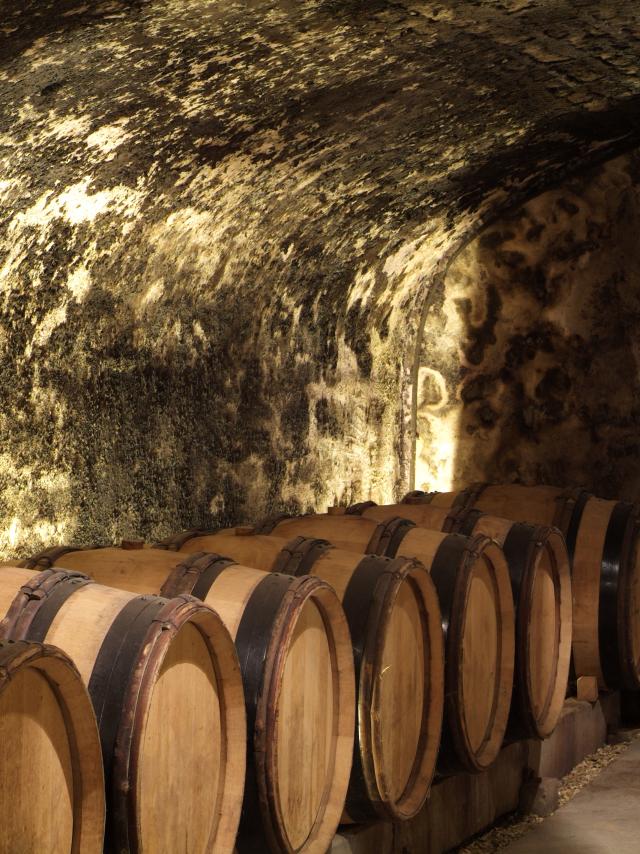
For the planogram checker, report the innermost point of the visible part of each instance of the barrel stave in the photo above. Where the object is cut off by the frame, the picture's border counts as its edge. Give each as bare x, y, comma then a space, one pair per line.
47, 723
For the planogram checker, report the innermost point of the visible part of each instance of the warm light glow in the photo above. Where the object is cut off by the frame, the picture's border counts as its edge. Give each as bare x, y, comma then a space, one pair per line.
436, 453
18, 535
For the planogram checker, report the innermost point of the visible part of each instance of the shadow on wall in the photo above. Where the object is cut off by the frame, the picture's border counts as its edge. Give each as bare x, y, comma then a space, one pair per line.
530, 365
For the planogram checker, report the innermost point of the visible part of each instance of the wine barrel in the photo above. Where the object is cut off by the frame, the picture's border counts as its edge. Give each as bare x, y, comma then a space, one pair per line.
541, 581
472, 580
396, 629
541, 505
165, 684
603, 543
349, 534
295, 656
51, 780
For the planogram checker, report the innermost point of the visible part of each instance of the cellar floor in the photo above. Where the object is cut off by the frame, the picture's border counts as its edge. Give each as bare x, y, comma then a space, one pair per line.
604, 818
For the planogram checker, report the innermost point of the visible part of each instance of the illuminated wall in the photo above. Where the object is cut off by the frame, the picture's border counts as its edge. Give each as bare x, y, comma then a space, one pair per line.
530, 368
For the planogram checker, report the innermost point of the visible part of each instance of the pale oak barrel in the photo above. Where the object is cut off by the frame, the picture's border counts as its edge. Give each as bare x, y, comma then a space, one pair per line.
538, 505
295, 656
472, 580
471, 576
395, 622
540, 573
51, 777
165, 685
603, 540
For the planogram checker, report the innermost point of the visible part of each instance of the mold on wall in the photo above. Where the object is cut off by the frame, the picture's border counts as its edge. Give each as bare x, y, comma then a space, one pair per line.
218, 224
531, 364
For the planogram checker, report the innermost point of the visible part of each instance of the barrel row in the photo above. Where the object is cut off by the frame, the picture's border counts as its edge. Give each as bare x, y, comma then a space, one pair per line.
396, 649
472, 583
279, 596
540, 574
602, 539
169, 689
392, 608
537, 568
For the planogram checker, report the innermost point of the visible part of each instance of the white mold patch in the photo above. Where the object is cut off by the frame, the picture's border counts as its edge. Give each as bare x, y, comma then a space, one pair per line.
77, 204
45, 329
68, 127
79, 283
109, 138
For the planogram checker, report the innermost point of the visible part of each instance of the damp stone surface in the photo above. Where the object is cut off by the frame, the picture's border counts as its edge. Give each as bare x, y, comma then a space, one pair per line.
223, 224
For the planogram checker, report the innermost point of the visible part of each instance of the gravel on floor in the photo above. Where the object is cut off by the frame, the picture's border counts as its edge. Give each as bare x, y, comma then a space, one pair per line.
516, 825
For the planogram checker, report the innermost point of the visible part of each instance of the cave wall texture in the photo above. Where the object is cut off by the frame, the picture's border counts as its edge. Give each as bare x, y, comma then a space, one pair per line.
530, 365
223, 224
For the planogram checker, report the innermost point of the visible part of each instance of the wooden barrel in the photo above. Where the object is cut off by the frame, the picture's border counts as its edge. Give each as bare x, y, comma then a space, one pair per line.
295, 656
539, 504
472, 580
351, 533
471, 576
541, 581
603, 542
51, 780
396, 629
165, 684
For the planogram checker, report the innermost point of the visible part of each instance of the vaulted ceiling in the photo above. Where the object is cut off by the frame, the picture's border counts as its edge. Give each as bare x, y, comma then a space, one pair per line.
224, 224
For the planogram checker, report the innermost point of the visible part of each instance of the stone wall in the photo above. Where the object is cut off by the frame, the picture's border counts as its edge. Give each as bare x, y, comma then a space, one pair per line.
531, 362
219, 223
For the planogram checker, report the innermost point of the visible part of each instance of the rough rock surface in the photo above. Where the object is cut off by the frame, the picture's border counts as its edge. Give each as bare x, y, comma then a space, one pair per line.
531, 361
220, 222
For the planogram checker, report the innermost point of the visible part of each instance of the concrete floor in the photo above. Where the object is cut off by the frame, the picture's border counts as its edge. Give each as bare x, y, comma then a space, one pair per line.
604, 818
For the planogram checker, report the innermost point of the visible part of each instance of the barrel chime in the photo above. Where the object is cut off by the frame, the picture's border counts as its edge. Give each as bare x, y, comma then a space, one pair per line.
251, 688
